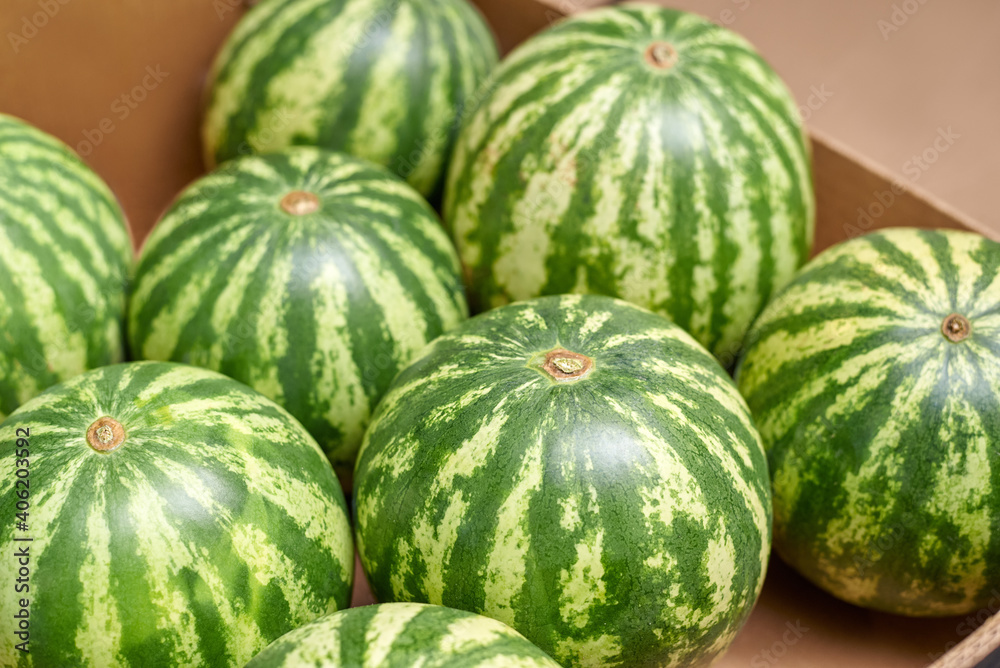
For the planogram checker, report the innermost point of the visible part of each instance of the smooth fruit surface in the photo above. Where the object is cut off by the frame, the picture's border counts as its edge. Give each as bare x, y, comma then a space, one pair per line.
385, 80
578, 468
175, 516
65, 257
309, 275
403, 635
637, 152
875, 381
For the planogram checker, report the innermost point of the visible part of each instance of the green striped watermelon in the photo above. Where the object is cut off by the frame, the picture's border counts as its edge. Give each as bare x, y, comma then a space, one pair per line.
578, 468
875, 381
177, 518
64, 265
385, 80
403, 635
638, 152
309, 275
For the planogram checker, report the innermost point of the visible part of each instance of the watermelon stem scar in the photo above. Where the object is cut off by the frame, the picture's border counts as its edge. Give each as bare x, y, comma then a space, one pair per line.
956, 328
661, 55
564, 365
299, 203
105, 434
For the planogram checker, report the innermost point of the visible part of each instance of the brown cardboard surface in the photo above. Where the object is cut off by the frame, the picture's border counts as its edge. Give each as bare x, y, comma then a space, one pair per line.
513, 21
68, 76
855, 196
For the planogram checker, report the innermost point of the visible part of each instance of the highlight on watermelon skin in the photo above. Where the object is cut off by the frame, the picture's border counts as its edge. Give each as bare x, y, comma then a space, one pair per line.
312, 276
576, 467
383, 80
637, 152
64, 266
177, 517
401, 635
874, 379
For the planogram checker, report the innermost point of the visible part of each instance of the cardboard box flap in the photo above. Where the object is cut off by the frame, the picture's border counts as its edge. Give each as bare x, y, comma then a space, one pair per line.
979, 650
514, 21
855, 196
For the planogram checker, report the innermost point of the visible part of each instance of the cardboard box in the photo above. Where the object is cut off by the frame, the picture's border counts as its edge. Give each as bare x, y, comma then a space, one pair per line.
79, 74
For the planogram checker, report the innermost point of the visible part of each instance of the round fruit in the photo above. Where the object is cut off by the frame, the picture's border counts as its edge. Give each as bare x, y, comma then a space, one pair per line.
63, 268
385, 80
311, 276
578, 468
402, 635
875, 381
176, 518
637, 152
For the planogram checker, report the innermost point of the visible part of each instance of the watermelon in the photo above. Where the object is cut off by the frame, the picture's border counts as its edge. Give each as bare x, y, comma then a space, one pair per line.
638, 152
63, 268
309, 275
175, 516
385, 80
875, 381
578, 468
402, 635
